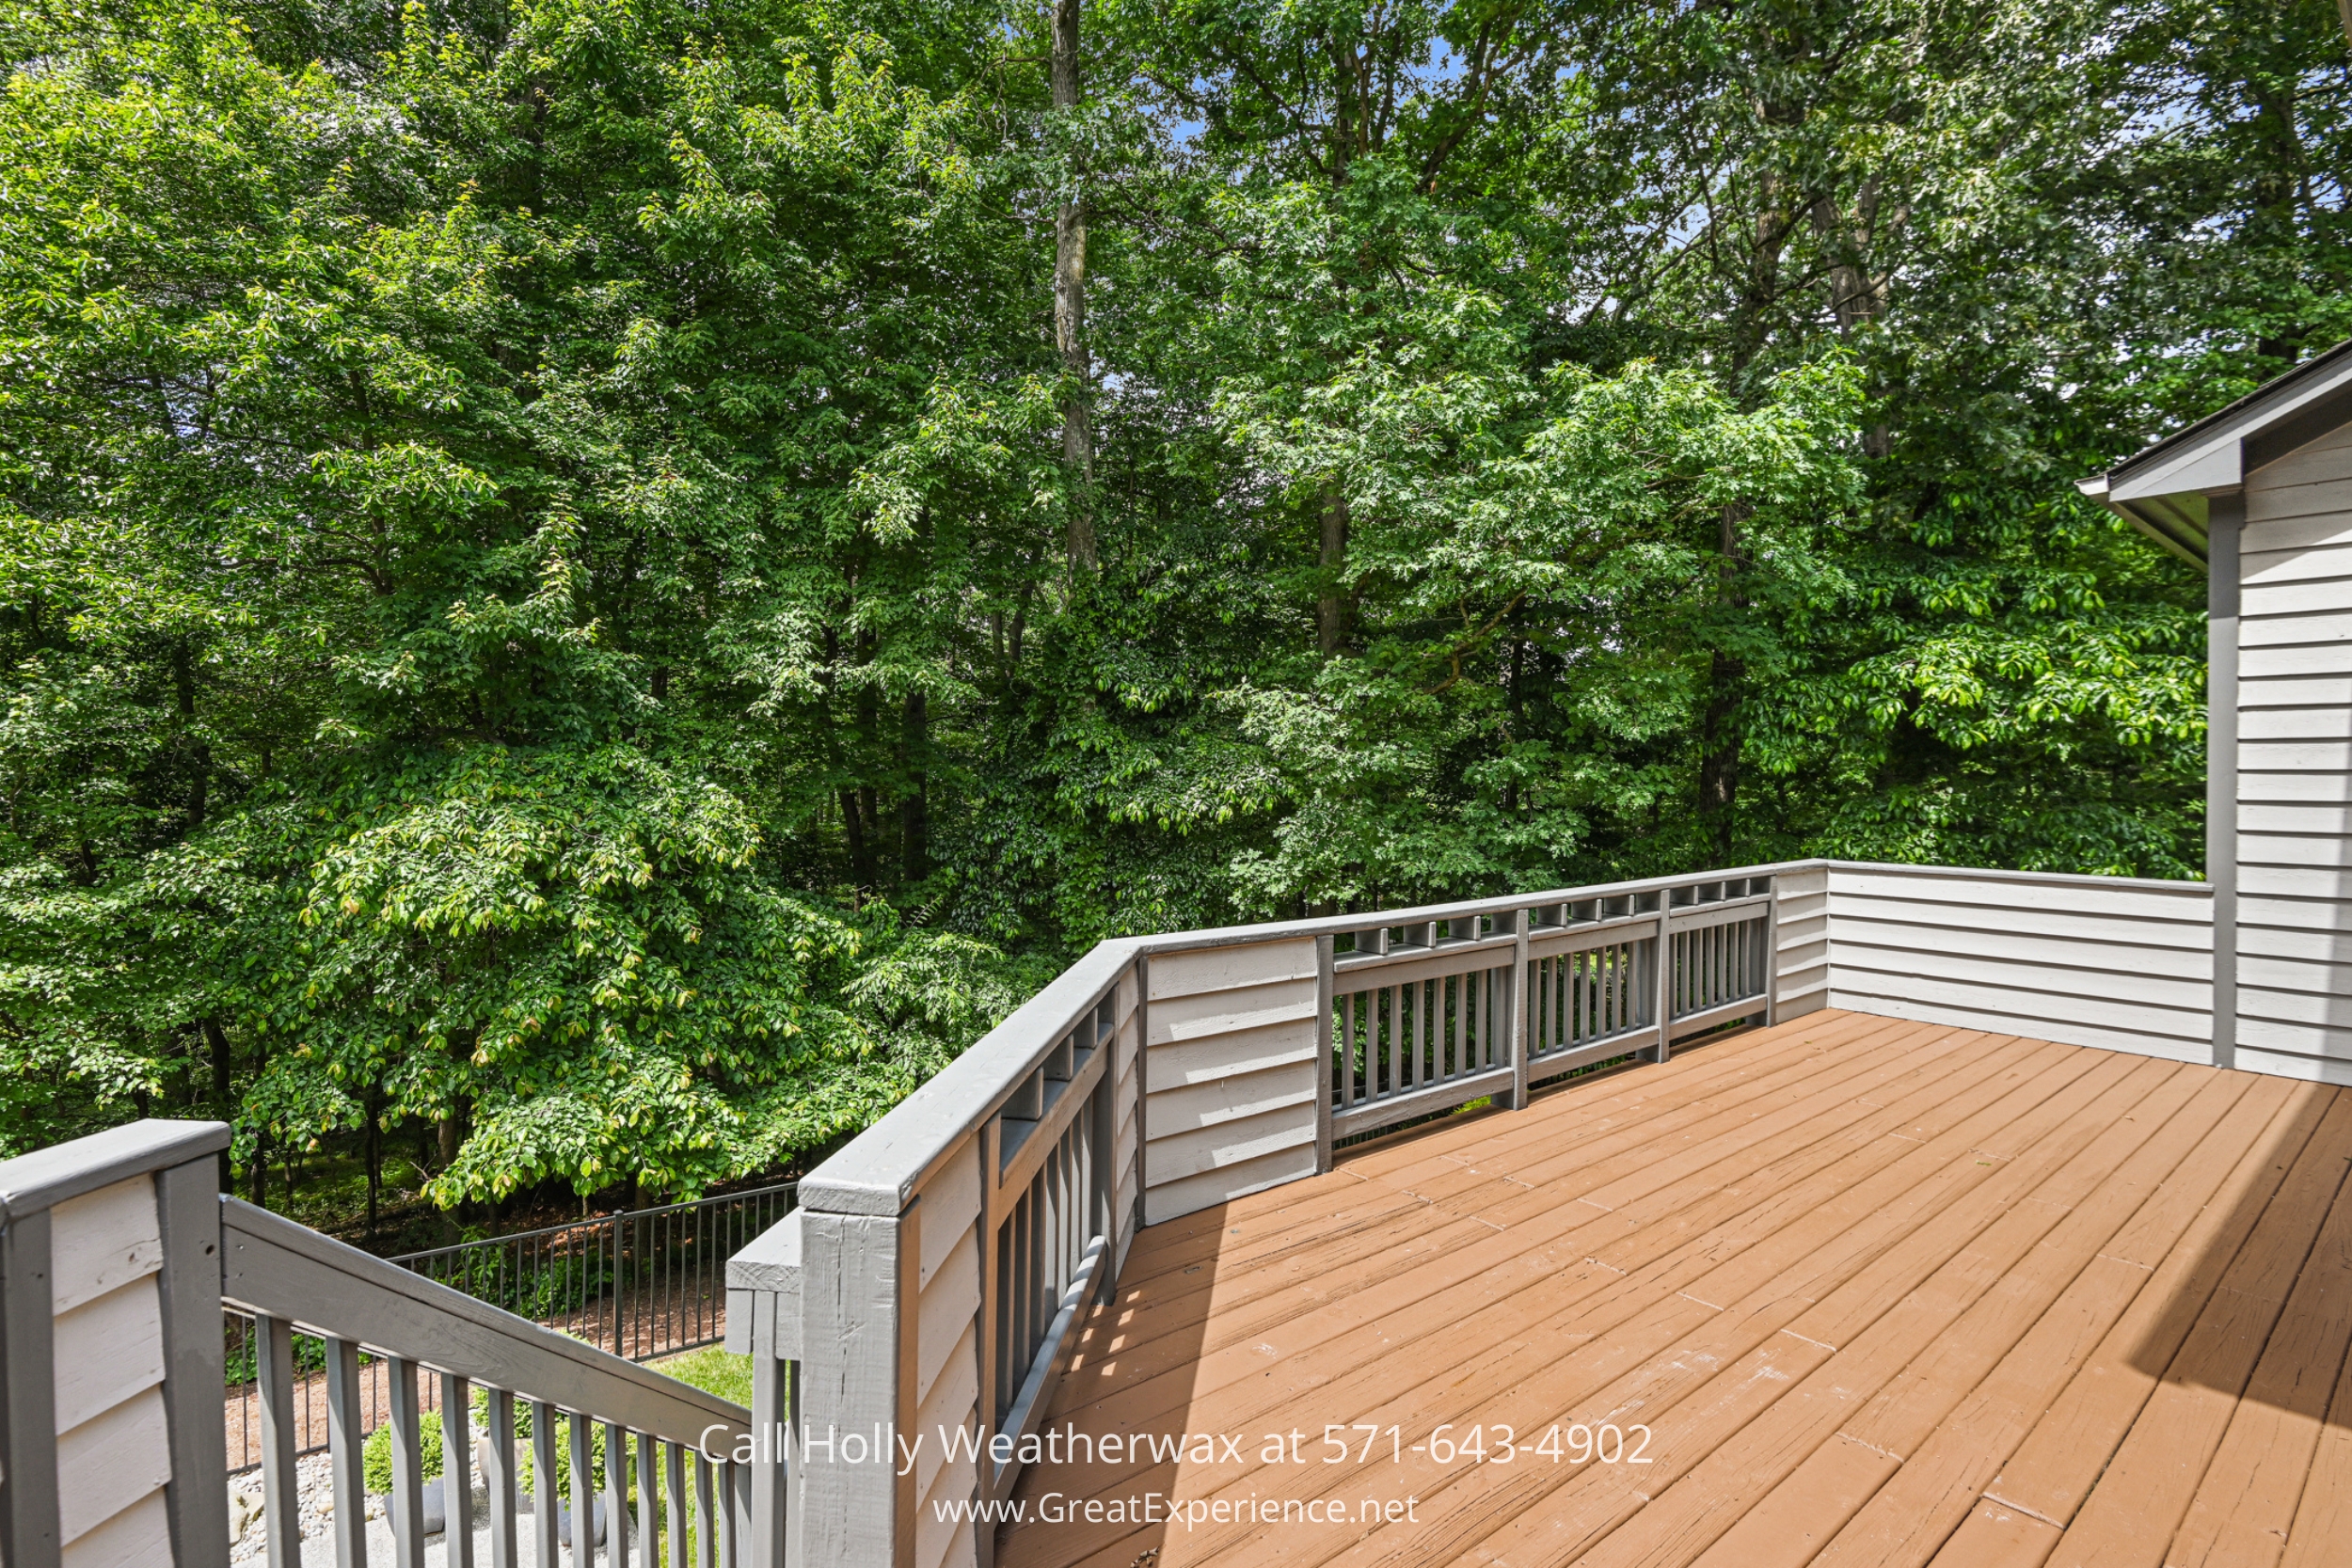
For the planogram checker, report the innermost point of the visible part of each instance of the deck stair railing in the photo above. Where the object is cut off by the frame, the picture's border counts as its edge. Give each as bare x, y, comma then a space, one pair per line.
641, 1283
117, 1253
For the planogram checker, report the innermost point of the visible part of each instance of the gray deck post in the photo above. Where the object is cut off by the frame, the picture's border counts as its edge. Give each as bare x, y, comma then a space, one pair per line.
188, 1212
1665, 977
1520, 1031
28, 1438
771, 1420
857, 1376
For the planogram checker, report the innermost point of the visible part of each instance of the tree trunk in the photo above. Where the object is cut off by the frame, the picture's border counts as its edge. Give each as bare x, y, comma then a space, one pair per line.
372, 1155
915, 827
199, 754
257, 1179
1332, 604
853, 827
1070, 309
1719, 741
216, 1044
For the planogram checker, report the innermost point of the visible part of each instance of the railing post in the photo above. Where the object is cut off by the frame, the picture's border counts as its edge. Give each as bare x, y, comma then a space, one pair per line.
1326, 950
187, 1210
1665, 976
121, 1227
1521, 1029
1142, 1026
857, 1373
28, 1438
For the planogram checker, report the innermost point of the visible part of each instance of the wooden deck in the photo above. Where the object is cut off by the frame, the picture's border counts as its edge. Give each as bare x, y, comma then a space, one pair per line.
1881, 1293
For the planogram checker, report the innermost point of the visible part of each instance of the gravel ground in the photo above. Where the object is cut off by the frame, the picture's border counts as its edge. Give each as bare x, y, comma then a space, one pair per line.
250, 1538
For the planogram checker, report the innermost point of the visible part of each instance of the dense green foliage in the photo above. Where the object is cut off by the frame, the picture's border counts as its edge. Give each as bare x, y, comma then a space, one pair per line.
540, 592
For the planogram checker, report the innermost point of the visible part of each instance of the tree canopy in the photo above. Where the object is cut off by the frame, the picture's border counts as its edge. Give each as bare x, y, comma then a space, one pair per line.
610, 582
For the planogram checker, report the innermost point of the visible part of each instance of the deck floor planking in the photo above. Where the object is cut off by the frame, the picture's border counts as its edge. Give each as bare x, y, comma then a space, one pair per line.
1883, 1291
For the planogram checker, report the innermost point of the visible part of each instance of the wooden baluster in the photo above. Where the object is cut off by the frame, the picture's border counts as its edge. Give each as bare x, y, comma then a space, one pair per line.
542, 1484
407, 1500
648, 1506
1467, 1045
281, 1490
705, 1513
1344, 1051
615, 1494
583, 1533
735, 1512
457, 1470
673, 1478
344, 1440
498, 1479
1423, 1053
1395, 1039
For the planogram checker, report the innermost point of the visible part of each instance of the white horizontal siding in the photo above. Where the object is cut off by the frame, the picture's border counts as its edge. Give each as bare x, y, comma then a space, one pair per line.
2278, 632
2293, 598
2313, 850
2315, 721
2320, 560
2289, 1064
2259, 910
1998, 1018
2254, 788
2294, 842
2081, 960
2322, 658
1229, 1075
2295, 817
2294, 691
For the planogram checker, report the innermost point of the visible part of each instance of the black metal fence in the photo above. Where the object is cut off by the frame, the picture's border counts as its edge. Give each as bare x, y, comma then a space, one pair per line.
641, 1284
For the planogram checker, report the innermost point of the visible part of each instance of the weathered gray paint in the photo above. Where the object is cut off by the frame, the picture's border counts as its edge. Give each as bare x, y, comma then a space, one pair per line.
346, 1439
406, 1502
457, 1440
855, 1302
1323, 1138
498, 1479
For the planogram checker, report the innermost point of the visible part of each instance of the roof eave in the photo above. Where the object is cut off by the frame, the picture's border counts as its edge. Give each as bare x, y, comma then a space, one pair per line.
2178, 528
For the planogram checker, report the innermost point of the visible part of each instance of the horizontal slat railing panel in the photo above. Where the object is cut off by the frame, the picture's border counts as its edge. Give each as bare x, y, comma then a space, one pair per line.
1578, 939
1422, 1101
1404, 966
1730, 913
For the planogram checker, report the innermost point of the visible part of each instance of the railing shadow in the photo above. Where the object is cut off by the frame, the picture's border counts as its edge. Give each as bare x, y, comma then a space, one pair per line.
2251, 1301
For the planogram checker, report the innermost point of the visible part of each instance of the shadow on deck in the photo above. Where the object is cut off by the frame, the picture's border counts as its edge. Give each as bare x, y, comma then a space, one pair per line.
1852, 1289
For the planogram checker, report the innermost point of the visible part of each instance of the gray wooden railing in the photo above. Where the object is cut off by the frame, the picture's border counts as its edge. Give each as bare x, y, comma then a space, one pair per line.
117, 1254
932, 1283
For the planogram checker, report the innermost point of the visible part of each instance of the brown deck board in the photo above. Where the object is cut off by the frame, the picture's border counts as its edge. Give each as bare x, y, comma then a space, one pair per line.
1881, 1291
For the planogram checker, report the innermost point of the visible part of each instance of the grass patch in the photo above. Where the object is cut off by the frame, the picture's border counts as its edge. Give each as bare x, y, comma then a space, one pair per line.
713, 1370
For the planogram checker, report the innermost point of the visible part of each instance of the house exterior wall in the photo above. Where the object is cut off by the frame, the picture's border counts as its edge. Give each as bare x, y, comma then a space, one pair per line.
2292, 860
